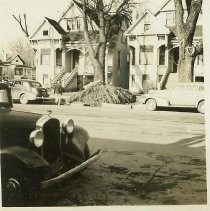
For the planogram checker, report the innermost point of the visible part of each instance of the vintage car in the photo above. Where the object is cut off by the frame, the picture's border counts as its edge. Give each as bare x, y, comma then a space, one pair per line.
26, 90
38, 151
181, 95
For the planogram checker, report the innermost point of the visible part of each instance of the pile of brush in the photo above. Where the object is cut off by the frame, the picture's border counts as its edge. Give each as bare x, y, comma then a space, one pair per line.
97, 93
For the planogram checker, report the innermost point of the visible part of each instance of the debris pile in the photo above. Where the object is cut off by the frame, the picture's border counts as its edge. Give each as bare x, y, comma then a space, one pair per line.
96, 93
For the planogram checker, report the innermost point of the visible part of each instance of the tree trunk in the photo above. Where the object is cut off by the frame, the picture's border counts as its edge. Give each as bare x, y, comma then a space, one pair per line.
185, 32
185, 65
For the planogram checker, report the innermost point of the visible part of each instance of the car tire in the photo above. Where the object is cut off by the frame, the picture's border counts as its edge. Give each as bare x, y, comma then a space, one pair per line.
151, 104
201, 107
24, 99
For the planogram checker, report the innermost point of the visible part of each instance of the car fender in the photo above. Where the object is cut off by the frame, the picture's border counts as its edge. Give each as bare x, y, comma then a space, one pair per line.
199, 100
30, 95
160, 101
74, 144
27, 157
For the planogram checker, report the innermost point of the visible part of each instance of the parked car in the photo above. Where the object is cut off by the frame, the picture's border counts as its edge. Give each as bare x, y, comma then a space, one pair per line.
37, 151
26, 90
181, 95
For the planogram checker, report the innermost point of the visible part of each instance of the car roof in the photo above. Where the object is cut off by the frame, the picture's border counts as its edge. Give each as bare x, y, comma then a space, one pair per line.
23, 80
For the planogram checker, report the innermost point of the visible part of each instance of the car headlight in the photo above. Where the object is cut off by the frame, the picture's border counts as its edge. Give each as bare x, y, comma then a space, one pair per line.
68, 126
37, 138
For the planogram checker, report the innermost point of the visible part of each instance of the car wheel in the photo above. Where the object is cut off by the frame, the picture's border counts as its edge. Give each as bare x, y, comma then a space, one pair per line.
151, 104
201, 107
23, 99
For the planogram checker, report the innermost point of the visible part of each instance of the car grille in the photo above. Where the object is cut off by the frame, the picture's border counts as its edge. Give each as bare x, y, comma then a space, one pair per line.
51, 145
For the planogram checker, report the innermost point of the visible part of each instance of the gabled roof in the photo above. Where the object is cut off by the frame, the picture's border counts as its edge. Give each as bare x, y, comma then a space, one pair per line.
9, 60
137, 21
64, 13
43, 22
161, 6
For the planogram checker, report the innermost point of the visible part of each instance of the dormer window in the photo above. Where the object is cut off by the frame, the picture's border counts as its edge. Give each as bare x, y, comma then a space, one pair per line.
45, 32
74, 24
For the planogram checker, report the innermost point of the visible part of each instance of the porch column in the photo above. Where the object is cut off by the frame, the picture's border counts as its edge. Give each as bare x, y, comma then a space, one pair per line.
63, 57
106, 66
156, 59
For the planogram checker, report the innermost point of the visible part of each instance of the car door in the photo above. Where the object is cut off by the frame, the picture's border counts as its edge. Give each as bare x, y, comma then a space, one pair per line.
178, 95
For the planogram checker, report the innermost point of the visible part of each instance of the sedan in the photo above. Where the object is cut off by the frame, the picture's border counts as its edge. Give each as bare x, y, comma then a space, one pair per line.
189, 95
28, 90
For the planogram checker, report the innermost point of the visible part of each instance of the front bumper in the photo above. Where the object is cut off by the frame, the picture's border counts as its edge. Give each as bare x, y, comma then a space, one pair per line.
71, 172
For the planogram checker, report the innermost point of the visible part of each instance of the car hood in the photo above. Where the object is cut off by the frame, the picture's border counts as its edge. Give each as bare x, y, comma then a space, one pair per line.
18, 118
16, 127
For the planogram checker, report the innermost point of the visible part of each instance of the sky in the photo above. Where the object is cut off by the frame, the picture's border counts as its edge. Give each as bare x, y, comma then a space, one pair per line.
35, 10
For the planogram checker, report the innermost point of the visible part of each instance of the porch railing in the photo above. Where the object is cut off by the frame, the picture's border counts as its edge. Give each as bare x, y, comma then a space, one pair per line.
58, 76
68, 77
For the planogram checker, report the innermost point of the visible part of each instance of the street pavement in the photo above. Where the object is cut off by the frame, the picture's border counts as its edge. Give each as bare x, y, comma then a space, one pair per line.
148, 158
120, 122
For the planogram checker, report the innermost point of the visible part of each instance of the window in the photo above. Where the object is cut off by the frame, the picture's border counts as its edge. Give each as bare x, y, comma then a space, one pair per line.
133, 56
71, 24
161, 37
146, 27
78, 24
132, 38
45, 57
170, 19
74, 24
119, 59
145, 77
58, 57
162, 51
132, 80
146, 54
200, 60
45, 32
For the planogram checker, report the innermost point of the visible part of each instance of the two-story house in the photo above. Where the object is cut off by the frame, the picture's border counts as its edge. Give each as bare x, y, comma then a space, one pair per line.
66, 57
154, 48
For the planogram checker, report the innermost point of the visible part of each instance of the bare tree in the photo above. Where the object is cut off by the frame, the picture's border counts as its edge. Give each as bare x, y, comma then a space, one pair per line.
185, 33
108, 18
23, 48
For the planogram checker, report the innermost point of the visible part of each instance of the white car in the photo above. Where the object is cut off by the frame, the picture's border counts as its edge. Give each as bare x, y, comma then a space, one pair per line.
181, 95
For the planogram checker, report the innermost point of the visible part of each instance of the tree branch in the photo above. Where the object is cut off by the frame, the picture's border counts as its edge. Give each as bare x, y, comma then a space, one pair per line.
195, 9
25, 30
179, 14
188, 4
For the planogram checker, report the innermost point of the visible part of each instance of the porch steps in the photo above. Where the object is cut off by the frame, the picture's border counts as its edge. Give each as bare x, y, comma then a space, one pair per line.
58, 77
68, 77
172, 80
